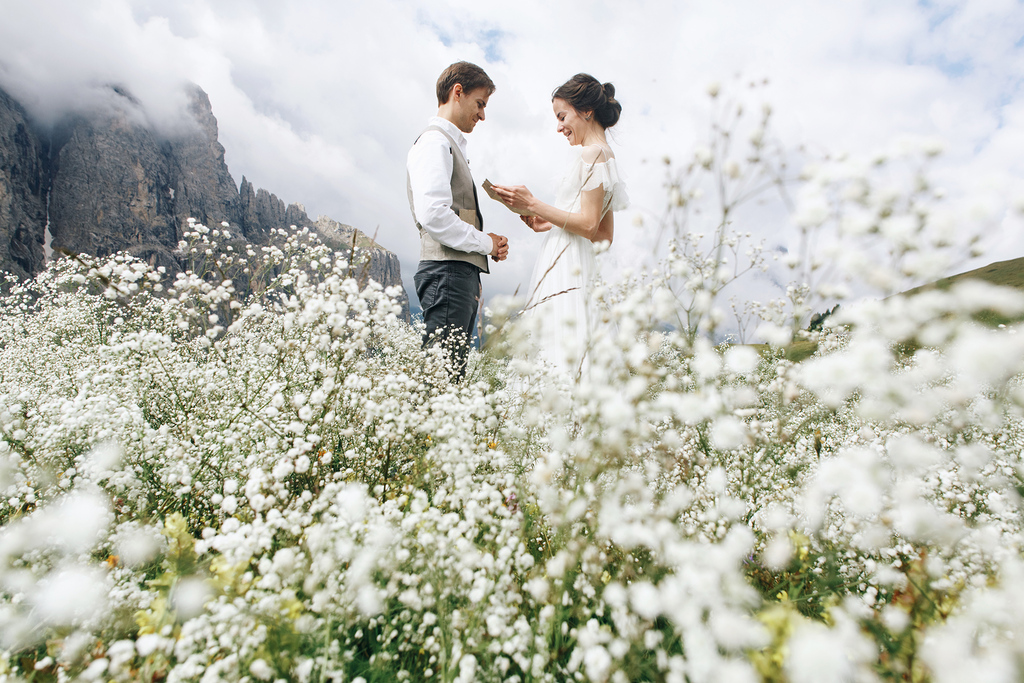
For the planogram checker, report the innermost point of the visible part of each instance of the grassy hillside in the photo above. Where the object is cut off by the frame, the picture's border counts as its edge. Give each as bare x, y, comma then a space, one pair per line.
1008, 273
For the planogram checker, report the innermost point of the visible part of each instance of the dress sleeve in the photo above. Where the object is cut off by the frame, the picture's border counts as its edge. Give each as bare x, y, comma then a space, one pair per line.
594, 169
619, 198
599, 170
596, 175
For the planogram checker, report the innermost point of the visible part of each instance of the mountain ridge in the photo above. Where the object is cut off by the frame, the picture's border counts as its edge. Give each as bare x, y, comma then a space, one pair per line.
105, 180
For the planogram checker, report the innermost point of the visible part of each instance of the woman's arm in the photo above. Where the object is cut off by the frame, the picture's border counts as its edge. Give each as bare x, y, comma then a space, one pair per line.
590, 222
587, 223
606, 229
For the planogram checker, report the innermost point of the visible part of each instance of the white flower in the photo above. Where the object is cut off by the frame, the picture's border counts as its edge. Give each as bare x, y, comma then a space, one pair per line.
597, 663
137, 546
189, 596
467, 669
718, 480
495, 625
261, 670
703, 155
778, 553
69, 596
95, 670
76, 522
818, 655
103, 460
369, 601
538, 588
149, 643
229, 505
895, 619
742, 360
774, 334
812, 208
728, 433
645, 599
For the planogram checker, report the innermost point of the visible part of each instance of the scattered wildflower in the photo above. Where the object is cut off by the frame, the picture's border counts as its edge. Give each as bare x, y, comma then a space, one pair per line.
255, 472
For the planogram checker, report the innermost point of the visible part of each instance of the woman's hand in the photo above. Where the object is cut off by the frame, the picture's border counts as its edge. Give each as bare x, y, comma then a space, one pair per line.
536, 223
516, 196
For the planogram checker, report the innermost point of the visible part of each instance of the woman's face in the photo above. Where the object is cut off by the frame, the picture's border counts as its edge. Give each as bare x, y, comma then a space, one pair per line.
571, 123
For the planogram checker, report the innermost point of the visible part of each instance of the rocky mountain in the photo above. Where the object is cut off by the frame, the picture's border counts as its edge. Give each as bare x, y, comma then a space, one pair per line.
23, 191
107, 181
382, 267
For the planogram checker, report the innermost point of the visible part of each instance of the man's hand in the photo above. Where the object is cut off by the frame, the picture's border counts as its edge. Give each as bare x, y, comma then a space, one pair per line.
500, 250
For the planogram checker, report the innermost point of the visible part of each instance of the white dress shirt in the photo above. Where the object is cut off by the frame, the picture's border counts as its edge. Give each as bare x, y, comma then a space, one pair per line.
430, 167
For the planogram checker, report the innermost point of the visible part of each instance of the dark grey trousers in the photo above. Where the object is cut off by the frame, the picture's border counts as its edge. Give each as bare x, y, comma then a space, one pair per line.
449, 292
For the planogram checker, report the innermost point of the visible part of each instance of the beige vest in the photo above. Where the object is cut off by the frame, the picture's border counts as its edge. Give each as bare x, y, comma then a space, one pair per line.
464, 203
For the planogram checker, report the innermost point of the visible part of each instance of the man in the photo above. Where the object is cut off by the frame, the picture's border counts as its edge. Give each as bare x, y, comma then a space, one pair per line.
443, 197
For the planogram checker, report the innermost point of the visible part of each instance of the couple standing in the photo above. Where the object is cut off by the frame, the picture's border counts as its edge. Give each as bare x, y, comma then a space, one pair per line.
453, 246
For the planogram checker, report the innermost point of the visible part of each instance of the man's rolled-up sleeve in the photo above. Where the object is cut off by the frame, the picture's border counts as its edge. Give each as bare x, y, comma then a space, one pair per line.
430, 167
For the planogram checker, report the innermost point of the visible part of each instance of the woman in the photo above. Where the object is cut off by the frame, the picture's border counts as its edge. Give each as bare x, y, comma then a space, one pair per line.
560, 288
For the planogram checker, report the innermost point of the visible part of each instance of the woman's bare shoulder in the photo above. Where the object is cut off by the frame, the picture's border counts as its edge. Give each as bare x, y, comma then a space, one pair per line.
593, 154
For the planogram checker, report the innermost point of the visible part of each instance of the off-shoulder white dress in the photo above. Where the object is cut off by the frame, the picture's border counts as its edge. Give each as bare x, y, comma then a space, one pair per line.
559, 296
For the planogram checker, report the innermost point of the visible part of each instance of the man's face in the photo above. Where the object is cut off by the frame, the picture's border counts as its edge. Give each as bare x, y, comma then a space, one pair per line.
469, 107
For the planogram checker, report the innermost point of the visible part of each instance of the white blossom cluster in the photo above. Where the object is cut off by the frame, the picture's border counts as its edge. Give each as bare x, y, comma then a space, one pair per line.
251, 471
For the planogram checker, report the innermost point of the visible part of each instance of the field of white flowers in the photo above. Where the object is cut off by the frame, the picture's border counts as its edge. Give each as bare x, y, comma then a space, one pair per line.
252, 472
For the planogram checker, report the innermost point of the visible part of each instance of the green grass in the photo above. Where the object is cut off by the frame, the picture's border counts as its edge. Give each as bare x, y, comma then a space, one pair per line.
1005, 273
795, 352
799, 350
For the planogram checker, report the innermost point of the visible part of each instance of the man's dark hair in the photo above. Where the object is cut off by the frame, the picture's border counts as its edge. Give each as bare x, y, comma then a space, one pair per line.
469, 75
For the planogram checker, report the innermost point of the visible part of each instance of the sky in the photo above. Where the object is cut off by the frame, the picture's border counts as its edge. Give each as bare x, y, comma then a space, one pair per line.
318, 101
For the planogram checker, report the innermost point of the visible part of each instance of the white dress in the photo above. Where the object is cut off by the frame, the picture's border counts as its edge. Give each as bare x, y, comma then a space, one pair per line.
559, 301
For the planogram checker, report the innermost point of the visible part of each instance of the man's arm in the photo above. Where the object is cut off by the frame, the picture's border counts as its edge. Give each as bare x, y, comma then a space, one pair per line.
430, 167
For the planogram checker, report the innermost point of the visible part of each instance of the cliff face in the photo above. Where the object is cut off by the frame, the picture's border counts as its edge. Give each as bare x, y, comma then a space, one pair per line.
261, 211
203, 187
22, 191
118, 186
114, 184
110, 189
372, 260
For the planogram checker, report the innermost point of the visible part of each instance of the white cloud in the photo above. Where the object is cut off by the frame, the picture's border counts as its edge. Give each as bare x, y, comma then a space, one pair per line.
319, 101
